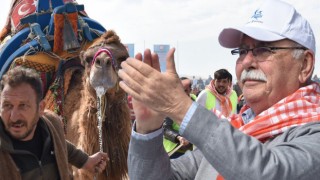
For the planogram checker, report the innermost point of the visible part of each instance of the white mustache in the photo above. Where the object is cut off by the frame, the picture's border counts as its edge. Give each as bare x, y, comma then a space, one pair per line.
253, 75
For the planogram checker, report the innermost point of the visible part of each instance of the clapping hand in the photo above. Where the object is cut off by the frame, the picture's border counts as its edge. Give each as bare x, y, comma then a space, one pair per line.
155, 94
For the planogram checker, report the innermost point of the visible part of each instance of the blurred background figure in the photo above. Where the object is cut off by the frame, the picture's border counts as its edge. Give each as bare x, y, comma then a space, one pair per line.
219, 95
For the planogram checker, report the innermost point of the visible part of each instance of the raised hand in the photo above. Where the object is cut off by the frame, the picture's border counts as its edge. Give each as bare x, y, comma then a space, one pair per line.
161, 92
147, 119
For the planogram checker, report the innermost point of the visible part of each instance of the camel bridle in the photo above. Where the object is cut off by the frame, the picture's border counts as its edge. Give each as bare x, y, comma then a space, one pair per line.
108, 52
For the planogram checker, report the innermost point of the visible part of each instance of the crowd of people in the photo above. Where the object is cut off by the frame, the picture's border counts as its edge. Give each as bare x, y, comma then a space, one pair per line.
271, 130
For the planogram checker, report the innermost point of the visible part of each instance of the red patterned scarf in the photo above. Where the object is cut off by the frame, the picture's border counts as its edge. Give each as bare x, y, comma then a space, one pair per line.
299, 108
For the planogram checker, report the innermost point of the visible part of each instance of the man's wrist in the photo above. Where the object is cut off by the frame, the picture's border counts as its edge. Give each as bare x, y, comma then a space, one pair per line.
182, 111
143, 129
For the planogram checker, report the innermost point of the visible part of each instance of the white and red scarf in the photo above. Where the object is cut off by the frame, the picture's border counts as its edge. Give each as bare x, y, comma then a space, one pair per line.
299, 108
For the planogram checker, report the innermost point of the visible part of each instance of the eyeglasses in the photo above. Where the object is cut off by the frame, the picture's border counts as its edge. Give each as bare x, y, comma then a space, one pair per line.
261, 53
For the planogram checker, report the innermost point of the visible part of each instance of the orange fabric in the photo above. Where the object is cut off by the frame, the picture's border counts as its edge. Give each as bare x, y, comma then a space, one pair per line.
297, 109
225, 103
219, 177
4, 32
58, 29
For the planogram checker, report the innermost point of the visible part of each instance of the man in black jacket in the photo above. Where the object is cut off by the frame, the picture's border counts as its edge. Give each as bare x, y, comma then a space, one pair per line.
32, 142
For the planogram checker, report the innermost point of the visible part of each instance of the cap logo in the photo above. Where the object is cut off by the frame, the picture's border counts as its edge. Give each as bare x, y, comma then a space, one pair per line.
255, 17
257, 14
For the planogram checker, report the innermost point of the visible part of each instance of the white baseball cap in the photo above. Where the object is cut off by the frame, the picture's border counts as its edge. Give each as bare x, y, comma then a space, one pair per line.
274, 20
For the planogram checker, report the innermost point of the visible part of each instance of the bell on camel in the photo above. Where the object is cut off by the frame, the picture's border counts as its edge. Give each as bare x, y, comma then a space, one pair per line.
70, 41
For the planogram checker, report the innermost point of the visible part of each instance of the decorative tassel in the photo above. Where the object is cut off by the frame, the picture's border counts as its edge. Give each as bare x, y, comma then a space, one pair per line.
70, 41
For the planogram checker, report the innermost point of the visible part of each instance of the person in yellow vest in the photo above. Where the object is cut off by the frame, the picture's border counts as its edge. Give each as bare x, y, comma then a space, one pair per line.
187, 85
218, 94
172, 139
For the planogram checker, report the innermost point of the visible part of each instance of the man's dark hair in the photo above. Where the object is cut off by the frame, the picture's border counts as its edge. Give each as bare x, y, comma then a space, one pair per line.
19, 75
222, 74
184, 78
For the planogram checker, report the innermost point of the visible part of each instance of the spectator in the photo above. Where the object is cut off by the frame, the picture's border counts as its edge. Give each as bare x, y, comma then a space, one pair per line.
207, 82
219, 95
237, 89
194, 82
275, 136
201, 83
195, 91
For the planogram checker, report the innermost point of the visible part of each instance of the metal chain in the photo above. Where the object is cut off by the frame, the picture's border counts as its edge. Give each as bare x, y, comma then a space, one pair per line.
100, 122
100, 113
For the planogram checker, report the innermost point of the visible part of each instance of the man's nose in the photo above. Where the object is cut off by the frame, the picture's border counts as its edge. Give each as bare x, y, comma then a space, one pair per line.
249, 61
14, 114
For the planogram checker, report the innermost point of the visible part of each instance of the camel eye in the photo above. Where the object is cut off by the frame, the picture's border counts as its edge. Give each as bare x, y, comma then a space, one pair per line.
88, 59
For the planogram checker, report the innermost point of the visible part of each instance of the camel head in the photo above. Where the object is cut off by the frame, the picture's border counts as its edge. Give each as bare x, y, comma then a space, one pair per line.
102, 61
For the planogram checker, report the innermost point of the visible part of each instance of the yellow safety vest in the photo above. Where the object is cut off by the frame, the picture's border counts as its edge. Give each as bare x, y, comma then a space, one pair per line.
193, 97
167, 144
211, 101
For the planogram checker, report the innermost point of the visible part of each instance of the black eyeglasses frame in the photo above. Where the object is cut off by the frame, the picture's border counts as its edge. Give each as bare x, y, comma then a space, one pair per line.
270, 49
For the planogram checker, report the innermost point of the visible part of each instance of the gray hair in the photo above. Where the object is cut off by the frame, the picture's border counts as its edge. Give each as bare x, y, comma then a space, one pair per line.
297, 53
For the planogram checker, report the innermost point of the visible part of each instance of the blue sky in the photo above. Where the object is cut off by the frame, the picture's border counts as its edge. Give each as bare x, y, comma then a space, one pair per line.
192, 26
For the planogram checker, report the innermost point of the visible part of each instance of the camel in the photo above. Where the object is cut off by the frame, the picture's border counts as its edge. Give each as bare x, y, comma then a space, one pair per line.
101, 62
72, 93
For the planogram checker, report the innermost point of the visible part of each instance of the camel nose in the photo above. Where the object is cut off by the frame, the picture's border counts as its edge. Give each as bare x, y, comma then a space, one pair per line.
103, 62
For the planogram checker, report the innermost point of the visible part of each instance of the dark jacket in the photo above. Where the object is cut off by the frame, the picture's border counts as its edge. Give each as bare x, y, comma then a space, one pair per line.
56, 153
172, 135
169, 132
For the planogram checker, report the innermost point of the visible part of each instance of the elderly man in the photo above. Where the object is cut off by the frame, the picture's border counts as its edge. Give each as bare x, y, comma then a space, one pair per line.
32, 142
275, 136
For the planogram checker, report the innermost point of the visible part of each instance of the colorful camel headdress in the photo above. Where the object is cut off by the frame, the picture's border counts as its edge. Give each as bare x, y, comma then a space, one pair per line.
58, 27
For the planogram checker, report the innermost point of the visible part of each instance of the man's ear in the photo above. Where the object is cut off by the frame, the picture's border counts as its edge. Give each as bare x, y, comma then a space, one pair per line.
307, 66
42, 106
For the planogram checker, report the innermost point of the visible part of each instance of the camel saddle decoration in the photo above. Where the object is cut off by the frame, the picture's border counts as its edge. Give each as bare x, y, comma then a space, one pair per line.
48, 37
